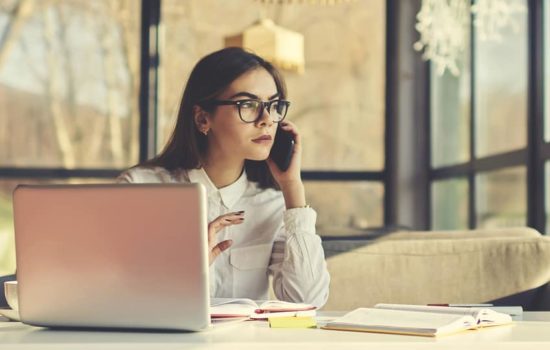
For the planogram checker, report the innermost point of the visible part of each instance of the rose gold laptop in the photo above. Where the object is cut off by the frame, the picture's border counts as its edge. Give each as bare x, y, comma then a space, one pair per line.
116, 256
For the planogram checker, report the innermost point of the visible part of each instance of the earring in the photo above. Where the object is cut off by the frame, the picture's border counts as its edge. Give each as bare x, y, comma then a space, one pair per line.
205, 132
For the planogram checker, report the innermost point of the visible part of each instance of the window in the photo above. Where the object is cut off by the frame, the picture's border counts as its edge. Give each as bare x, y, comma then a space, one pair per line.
501, 198
338, 103
480, 148
546, 103
68, 84
450, 106
69, 80
546, 50
450, 204
351, 206
547, 195
500, 83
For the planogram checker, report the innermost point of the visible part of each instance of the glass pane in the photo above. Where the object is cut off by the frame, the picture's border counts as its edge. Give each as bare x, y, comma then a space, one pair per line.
450, 204
346, 208
7, 242
450, 113
69, 80
501, 198
338, 103
546, 56
547, 196
501, 88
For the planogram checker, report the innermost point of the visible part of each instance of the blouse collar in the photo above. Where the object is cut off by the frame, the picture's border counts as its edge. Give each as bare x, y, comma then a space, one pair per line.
229, 194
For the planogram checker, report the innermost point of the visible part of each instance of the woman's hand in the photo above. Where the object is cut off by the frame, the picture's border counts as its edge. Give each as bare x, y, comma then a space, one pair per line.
290, 181
215, 248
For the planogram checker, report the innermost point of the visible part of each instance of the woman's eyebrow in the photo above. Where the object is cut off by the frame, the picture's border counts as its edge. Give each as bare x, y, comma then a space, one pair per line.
249, 95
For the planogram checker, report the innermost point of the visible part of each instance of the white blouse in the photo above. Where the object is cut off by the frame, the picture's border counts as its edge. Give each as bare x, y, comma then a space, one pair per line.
270, 241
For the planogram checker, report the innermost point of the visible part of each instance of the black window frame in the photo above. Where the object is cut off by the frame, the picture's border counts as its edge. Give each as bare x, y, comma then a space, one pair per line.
150, 57
149, 54
536, 152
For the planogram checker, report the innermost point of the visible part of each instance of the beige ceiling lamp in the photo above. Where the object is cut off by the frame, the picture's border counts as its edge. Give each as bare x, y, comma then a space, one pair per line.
280, 46
311, 2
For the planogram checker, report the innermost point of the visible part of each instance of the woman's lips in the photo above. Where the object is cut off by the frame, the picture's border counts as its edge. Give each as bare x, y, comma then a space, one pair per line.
262, 139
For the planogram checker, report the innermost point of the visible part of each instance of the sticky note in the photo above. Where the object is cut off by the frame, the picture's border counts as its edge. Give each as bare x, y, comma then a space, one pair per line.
292, 322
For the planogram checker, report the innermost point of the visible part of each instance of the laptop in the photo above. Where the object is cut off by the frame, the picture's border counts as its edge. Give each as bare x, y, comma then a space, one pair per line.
112, 256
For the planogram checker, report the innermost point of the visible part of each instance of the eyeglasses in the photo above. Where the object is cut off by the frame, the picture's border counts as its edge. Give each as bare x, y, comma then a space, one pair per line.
250, 110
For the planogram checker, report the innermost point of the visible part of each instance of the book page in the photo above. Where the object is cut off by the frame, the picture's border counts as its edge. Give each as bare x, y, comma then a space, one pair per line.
488, 317
227, 307
403, 321
235, 301
266, 315
483, 316
277, 305
231, 307
435, 309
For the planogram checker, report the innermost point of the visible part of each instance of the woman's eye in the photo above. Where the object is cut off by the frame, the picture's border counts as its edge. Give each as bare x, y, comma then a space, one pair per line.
248, 105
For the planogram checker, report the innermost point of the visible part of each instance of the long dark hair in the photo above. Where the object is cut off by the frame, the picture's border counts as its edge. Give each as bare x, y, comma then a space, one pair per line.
210, 77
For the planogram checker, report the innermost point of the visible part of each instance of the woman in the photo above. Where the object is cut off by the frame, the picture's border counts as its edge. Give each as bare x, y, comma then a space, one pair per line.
259, 221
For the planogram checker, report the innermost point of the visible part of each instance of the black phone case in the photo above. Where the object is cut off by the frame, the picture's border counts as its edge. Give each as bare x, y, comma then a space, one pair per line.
283, 146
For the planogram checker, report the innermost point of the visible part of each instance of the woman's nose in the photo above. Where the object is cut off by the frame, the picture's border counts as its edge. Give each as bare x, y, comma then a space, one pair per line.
264, 119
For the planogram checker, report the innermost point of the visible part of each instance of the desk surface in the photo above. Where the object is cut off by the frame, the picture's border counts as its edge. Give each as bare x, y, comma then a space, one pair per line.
531, 333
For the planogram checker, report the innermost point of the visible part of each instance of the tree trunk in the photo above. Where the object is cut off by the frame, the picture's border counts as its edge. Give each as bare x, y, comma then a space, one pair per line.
21, 13
54, 95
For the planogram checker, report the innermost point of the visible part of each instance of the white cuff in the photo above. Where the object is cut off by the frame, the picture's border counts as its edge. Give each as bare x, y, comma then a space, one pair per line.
300, 220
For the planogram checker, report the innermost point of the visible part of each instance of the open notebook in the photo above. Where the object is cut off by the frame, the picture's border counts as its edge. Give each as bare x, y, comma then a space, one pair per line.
420, 320
242, 307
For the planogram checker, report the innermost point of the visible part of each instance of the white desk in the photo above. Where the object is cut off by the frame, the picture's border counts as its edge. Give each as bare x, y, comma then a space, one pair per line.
532, 333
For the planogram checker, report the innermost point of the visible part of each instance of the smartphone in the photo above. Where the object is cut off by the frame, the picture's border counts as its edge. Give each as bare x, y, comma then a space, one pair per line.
283, 147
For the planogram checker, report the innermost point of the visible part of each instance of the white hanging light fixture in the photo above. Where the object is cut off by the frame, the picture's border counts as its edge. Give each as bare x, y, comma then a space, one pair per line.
444, 26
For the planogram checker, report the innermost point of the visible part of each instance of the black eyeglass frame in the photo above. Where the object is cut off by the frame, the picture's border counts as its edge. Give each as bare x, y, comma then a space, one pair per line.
264, 105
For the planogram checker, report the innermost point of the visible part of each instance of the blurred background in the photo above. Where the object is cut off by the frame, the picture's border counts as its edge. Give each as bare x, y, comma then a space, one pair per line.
405, 124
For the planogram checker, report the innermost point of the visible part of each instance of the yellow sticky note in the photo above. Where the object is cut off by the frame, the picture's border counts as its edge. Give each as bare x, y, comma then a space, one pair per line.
292, 322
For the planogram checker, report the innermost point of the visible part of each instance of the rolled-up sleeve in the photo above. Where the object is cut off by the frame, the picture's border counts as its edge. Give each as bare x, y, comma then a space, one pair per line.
298, 261
125, 177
